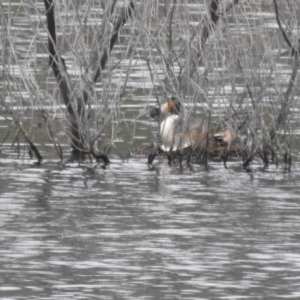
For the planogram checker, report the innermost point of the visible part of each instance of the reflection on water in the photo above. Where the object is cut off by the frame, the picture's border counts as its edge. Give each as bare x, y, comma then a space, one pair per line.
131, 233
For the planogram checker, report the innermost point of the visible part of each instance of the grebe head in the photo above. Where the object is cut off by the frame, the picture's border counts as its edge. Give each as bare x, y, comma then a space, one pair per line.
171, 106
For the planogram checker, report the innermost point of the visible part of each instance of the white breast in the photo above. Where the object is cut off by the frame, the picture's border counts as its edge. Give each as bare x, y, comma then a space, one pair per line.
167, 133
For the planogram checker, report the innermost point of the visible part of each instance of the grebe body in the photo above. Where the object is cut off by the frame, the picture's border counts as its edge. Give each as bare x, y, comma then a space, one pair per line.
180, 135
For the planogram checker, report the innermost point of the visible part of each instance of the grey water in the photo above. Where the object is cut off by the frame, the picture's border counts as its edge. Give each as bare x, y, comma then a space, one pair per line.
130, 232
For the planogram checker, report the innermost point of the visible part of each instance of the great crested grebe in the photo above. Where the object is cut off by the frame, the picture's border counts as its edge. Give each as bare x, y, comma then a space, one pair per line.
178, 135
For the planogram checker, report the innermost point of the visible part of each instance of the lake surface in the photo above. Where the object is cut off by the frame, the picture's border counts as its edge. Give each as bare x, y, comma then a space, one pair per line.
129, 232
132, 233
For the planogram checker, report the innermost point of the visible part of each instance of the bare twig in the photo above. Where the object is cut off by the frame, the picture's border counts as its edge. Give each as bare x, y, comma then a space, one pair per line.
58, 66
285, 37
127, 13
205, 27
20, 128
284, 109
51, 134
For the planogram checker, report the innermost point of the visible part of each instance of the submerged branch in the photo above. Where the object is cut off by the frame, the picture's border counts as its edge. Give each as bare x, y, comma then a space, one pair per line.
31, 144
56, 144
100, 156
58, 66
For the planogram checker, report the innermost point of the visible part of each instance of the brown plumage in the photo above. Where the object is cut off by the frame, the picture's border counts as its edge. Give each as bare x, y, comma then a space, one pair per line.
179, 136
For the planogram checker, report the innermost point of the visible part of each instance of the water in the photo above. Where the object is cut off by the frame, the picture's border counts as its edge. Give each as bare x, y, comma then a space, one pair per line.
127, 232
132, 233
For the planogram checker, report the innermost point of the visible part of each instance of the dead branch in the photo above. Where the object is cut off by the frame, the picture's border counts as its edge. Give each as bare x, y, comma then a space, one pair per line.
127, 13
77, 117
57, 146
284, 109
32, 146
284, 34
205, 28
58, 66
215, 15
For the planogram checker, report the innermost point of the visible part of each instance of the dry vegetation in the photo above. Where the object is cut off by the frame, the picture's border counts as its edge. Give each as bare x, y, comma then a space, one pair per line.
223, 59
